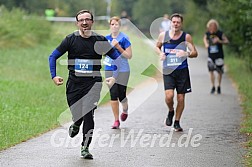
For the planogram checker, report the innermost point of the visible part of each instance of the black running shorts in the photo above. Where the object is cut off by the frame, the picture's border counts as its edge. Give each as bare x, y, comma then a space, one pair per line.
213, 65
179, 79
118, 90
83, 95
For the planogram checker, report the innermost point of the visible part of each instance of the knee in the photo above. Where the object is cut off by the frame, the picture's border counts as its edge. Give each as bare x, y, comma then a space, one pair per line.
180, 98
169, 97
89, 116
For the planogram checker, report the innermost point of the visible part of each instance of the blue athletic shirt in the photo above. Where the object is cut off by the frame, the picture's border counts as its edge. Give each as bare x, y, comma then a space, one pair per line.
124, 42
170, 47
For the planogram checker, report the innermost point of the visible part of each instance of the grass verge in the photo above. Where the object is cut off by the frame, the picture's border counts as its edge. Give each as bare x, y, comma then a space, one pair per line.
243, 79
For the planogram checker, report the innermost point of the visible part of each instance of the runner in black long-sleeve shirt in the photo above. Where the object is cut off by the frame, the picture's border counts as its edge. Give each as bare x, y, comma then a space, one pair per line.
85, 50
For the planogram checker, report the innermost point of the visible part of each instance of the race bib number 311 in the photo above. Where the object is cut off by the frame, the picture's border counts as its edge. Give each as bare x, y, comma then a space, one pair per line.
83, 66
173, 60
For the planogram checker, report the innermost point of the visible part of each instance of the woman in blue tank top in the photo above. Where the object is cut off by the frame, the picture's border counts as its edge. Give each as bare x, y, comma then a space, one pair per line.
118, 91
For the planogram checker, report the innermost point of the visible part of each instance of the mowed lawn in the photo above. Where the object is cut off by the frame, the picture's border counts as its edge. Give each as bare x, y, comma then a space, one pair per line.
30, 104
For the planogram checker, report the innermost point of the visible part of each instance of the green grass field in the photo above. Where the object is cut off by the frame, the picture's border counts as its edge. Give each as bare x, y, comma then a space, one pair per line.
30, 104
29, 101
242, 77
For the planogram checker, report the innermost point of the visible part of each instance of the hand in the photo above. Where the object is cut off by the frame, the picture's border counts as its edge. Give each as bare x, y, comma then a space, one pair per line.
110, 81
182, 53
216, 40
58, 80
162, 56
115, 43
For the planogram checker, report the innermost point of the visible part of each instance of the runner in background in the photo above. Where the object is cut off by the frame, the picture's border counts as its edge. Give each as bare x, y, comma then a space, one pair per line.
214, 40
121, 42
165, 24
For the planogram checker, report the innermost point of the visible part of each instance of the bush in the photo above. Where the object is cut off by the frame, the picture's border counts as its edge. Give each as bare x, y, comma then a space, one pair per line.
20, 30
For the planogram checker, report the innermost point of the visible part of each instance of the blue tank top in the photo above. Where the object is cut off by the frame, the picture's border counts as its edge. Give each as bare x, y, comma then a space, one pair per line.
124, 42
170, 47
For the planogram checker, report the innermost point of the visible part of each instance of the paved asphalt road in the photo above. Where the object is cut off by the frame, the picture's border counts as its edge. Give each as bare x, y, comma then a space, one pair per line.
211, 135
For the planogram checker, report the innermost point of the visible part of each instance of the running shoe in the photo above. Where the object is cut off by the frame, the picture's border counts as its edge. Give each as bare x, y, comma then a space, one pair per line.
219, 90
177, 127
85, 153
116, 125
168, 121
124, 116
213, 90
73, 130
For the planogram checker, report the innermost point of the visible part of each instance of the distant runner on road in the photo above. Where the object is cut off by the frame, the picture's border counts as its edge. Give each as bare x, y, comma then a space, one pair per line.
214, 40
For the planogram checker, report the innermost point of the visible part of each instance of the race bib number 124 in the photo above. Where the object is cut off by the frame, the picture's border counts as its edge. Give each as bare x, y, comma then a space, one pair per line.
83, 66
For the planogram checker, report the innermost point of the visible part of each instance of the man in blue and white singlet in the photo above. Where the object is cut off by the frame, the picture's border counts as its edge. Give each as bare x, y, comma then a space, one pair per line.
174, 47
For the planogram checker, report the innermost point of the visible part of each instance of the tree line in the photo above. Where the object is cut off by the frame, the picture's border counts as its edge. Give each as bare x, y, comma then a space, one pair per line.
234, 16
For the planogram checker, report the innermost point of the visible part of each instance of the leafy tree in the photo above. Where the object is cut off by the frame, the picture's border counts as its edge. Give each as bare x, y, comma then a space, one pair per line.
146, 11
125, 5
201, 4
194, 21
18, 30
10, 3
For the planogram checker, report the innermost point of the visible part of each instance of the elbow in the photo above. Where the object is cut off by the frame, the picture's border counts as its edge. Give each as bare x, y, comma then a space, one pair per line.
127, 55
50, 59
196, 54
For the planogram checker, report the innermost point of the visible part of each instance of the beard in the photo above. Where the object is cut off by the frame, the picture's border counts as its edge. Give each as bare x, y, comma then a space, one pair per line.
85, 31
